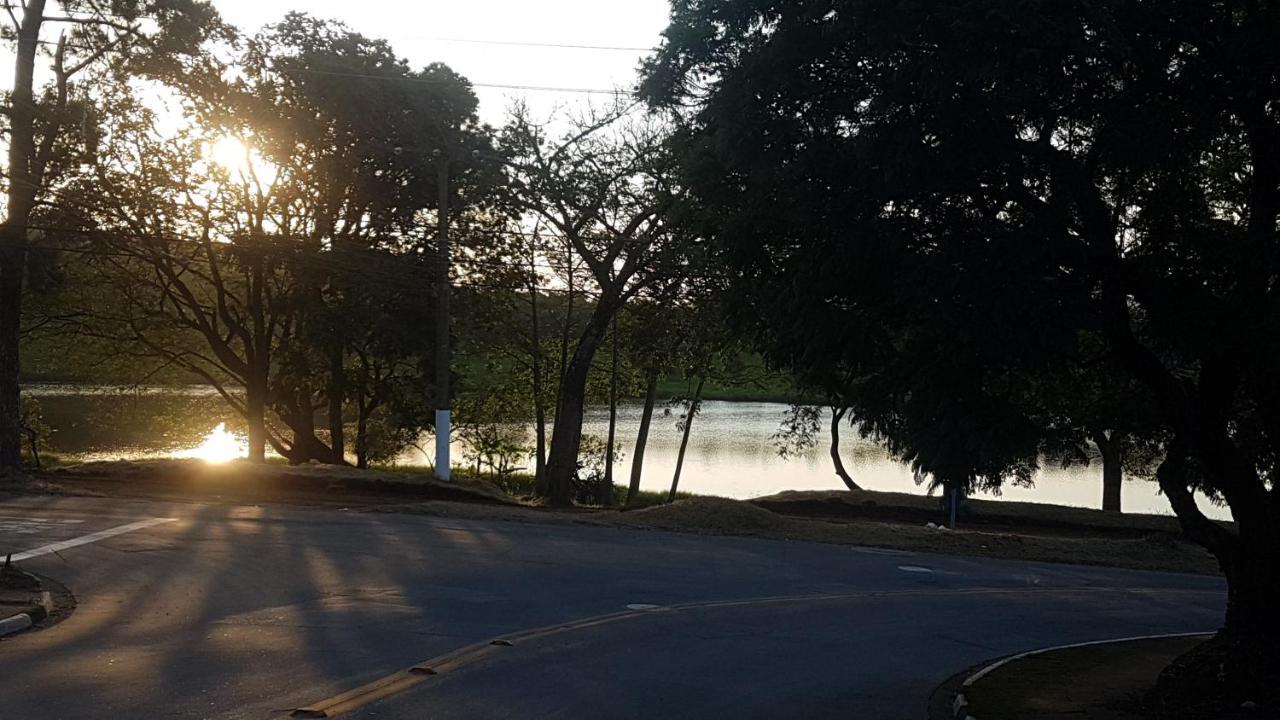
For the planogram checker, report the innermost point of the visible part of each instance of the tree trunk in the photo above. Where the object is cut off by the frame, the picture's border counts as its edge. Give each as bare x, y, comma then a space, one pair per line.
566, 434
258, 362
642, 437
1242, 662
301, 420
13, 236
1251, 666
33, 442
567, 328
255, 403
12, 261
539, 402
337, 393
837, 414
684, 440
1109, 446
540, 447
606, 488
362, 439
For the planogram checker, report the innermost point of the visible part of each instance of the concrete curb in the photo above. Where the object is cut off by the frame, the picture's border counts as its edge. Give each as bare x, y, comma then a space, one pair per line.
25, 619
957, 708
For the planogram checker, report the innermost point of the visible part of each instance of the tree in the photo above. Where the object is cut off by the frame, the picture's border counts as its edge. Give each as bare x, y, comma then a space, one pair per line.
1091, 404
656, 330
353, 140
799, 432
604, 191
927, 205
274, 245
525, 287
147, 36
710, 351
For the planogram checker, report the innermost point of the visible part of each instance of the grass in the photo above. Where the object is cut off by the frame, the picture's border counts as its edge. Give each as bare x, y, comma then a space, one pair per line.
522, 485
1098, 682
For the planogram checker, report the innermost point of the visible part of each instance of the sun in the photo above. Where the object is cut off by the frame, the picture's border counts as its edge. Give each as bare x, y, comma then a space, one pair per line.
231, 154
220, 445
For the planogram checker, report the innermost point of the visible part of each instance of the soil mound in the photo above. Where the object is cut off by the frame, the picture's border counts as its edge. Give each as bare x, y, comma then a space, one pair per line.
707, 514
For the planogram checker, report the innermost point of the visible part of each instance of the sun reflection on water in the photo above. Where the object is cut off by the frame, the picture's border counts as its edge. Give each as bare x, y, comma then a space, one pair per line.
219, 445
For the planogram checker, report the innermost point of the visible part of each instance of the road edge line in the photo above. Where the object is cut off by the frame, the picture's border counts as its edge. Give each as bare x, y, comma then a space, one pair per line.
94, 537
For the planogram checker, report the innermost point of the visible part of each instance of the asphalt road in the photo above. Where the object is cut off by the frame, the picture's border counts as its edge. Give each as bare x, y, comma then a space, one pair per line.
248, 612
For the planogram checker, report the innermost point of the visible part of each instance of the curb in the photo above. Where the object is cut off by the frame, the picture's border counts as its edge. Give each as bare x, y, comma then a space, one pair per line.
25, 619
958, 707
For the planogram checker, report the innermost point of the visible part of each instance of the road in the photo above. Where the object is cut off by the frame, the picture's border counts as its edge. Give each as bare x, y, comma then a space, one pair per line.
213, 611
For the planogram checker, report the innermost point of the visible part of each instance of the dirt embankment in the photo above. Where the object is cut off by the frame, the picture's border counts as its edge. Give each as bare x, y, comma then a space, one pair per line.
720, 516
1023, 531
241, 481
992, 515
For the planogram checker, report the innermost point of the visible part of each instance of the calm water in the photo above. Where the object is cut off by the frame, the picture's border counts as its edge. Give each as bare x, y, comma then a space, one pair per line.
731, 450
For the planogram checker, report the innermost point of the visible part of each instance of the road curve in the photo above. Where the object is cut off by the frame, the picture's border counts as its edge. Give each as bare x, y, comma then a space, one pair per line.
247, 612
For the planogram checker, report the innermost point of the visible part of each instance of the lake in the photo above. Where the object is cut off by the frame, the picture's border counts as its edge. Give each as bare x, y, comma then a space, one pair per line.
731, 450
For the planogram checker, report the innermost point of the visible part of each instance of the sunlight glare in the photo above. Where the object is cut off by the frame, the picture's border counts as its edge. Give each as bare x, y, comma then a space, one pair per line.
229, 153
220, 445
239, 159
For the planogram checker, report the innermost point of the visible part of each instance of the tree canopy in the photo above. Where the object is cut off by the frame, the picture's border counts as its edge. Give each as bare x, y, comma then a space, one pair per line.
930, 207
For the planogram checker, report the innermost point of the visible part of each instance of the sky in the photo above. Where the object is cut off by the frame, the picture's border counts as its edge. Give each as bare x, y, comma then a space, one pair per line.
429, 31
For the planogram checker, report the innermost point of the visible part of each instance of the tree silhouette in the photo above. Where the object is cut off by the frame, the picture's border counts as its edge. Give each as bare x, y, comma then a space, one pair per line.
928, 203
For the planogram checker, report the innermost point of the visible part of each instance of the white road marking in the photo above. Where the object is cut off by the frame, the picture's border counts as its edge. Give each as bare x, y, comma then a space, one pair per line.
90, 538
914, 569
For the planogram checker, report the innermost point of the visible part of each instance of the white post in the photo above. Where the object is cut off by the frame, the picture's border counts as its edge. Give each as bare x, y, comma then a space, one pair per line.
442, 445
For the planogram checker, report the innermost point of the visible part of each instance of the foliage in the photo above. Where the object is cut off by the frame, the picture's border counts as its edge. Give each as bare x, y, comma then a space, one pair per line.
798, 431
590, 473
35, 430
603, 190
940, 212
491, 428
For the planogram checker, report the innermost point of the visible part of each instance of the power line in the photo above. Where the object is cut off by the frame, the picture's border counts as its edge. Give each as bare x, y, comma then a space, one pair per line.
519, 43
481, 85
439, 81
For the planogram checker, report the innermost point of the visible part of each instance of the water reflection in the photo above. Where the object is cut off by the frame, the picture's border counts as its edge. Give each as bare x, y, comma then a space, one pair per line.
219, 446
731, 450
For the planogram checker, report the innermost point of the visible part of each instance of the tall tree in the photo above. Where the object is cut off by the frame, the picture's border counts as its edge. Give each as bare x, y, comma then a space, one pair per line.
930, 202
260, 232
151, 36
604, 190
656, 335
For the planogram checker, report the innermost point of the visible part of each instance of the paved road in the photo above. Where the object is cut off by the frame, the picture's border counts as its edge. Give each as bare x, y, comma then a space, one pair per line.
242, 612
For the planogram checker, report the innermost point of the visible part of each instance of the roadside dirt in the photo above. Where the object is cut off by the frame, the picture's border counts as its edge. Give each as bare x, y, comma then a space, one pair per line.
721, 516
1023, 531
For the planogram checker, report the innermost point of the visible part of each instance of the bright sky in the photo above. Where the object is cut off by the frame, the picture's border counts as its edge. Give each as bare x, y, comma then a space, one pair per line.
428, 31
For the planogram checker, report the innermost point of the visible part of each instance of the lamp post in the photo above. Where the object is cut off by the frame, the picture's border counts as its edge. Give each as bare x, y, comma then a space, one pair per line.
443, 291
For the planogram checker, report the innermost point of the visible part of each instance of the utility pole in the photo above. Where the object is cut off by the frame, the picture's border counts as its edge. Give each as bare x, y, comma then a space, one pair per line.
443, 403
